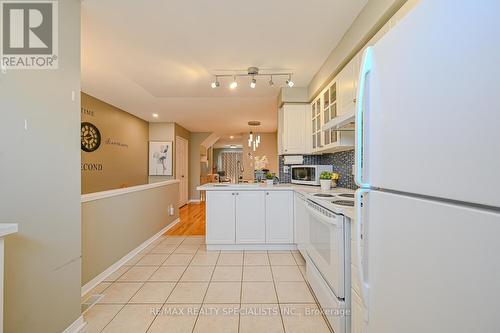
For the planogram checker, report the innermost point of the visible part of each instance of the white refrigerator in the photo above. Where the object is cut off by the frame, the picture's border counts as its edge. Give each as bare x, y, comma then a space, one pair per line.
428, 170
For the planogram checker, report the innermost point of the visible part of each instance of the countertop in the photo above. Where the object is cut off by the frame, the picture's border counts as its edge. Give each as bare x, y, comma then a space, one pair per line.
302, 189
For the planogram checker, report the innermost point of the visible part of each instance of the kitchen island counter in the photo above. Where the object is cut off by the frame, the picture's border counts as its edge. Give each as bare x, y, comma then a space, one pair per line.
255, 216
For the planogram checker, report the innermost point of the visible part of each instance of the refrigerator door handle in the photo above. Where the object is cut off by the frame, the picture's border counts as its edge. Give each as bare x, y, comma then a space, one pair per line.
361, 274
366, 66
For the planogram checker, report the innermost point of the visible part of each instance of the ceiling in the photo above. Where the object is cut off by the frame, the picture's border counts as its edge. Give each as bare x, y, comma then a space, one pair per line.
226, 141
160, 56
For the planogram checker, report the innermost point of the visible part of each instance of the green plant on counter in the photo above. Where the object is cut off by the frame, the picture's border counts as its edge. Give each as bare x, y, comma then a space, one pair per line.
269, 176
325, 175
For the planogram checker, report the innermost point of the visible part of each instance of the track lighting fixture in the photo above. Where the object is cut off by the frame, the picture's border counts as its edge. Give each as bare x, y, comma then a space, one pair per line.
252, 72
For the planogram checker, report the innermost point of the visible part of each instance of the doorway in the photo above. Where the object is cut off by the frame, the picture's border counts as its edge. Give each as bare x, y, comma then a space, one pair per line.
181, 168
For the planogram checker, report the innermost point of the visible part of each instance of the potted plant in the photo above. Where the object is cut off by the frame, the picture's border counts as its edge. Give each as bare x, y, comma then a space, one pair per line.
325, 179
269, 179
335, 178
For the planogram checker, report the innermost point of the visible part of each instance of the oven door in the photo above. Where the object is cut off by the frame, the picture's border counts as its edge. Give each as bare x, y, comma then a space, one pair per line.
326, 246
304, 175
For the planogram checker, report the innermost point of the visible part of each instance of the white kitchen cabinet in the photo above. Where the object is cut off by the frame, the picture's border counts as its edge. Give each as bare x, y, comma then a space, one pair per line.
250, 217
221, 210
301, 223
279, 217
293, 129
323, 109
347, 82
316, 123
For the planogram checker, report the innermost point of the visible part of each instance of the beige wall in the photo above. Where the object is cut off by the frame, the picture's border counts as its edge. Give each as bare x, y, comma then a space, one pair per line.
40, 187
114, 226
195, 151
123, 153
373, 16
268, 148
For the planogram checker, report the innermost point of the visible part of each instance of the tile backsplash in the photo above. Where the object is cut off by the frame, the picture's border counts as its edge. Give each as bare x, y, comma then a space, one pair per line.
342, 163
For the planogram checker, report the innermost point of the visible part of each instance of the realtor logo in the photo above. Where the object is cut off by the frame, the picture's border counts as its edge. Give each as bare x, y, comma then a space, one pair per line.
29, 34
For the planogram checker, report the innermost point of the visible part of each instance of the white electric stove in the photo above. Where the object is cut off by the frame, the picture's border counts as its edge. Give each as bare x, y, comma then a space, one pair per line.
328, 270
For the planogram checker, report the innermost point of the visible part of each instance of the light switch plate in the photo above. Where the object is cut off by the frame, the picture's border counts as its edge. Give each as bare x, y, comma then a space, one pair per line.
286, 169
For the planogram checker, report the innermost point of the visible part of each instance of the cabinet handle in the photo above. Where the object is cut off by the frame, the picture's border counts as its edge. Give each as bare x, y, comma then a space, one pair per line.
267, 193
354, 100
232, 193
237, 193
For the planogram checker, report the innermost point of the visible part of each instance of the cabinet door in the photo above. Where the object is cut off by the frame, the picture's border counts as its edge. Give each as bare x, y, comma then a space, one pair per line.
316, 124
279, 217
294, 138
346, 87
220, 217
250, 217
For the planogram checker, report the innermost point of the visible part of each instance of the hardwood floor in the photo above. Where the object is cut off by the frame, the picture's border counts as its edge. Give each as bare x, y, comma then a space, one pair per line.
192, 221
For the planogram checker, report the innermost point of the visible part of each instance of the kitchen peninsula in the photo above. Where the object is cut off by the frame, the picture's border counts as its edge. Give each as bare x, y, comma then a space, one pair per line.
254, 216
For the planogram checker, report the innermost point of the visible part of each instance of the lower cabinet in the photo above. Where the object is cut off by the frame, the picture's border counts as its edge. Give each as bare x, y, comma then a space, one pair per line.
220, 216
250, 217
279, 217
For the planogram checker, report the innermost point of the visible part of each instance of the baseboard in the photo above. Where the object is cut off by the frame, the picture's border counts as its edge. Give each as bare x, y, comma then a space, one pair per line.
76, 326
99, 278
194, 201
251, 247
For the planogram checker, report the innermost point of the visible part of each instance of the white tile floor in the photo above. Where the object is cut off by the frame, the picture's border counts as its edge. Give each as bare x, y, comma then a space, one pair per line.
176, 285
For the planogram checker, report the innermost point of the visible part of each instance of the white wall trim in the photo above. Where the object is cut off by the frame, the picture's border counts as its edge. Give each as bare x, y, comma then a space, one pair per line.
195, 201
76, 326
99, 278
111, 193
251, 247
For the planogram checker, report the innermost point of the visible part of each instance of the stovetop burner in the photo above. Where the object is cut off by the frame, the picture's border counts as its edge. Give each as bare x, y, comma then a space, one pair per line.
349, 203
323, 195
346, 195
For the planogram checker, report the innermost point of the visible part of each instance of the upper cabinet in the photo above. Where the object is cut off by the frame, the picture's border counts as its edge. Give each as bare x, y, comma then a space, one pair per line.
294, 131
347, 81
337, 100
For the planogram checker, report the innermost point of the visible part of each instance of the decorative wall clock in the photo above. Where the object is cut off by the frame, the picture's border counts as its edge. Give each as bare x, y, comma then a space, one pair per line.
90, 137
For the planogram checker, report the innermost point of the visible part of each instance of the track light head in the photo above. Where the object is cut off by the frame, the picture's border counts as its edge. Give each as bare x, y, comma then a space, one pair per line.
289, 82
253, 83
271, 82
215, 84
233, 84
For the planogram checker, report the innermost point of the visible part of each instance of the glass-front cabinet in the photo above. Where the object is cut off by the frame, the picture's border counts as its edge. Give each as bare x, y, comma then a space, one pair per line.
324, 108
330, 112
316, 124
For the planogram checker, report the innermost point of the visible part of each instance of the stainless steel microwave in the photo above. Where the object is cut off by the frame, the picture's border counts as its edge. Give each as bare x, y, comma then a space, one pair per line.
308, 174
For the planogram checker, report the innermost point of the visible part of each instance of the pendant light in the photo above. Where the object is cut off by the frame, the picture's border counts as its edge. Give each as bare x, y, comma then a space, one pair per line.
253, 138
